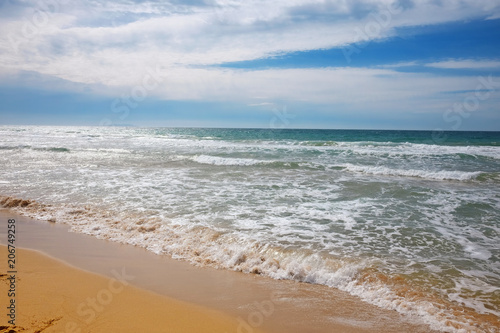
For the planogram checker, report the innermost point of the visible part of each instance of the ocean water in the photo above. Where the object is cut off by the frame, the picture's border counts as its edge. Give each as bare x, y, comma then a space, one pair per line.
406, 220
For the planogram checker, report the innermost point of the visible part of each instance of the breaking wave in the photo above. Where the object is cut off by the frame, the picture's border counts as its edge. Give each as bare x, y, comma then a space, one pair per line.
434, 175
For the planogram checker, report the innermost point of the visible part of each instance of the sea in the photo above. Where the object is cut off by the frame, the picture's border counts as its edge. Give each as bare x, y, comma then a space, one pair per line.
405, 220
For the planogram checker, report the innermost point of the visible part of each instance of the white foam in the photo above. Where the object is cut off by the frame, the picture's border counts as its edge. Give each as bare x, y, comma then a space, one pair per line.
435, 175
417, 149
216, 160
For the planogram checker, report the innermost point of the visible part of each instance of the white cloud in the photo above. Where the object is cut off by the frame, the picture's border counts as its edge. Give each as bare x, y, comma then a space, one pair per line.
401, 64
262, 104
110, 44
348, 86
466, 64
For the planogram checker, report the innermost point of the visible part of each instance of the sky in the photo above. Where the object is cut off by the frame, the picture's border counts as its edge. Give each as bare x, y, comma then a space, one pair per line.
360, 64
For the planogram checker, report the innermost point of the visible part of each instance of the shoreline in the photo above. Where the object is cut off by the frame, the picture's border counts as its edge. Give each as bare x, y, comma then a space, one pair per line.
253, 302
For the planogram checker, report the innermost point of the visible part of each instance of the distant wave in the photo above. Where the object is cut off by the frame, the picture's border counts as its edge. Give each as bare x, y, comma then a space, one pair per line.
12, 147
435, 175
232, 161
373, 170
318, 143
51, 149
216, 160
54, 149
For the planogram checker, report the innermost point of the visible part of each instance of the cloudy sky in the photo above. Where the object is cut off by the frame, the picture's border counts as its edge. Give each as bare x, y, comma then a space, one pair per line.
384, 64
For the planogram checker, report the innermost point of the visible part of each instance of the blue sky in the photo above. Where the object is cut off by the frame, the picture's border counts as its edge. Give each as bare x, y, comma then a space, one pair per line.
270, 64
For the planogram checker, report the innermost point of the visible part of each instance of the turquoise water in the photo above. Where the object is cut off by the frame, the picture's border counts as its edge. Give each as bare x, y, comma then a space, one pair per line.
406, 220
324, 135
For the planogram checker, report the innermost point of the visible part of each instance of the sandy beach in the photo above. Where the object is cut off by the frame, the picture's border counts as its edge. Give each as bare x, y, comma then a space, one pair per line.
91, 285
54, 297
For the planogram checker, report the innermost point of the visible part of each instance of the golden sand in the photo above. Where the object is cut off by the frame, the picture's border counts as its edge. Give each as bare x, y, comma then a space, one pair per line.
54, 297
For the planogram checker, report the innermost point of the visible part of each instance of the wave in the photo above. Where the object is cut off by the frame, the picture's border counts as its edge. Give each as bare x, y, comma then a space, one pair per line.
216, 160
51, 149
318, 143
376, 149
14, 147
232, 161
66, 150
407, 149
204, 246
372, 170
425, 174
54, 149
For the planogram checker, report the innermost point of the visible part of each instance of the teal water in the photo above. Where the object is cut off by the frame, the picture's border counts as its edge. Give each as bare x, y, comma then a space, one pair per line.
324, 135
406, 220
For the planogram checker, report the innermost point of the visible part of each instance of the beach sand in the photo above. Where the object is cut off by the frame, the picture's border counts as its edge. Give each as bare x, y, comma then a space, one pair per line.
54, 297
164, 295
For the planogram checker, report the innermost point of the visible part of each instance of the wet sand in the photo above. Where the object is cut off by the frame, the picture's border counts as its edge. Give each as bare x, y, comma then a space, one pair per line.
243, 302
54, 297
